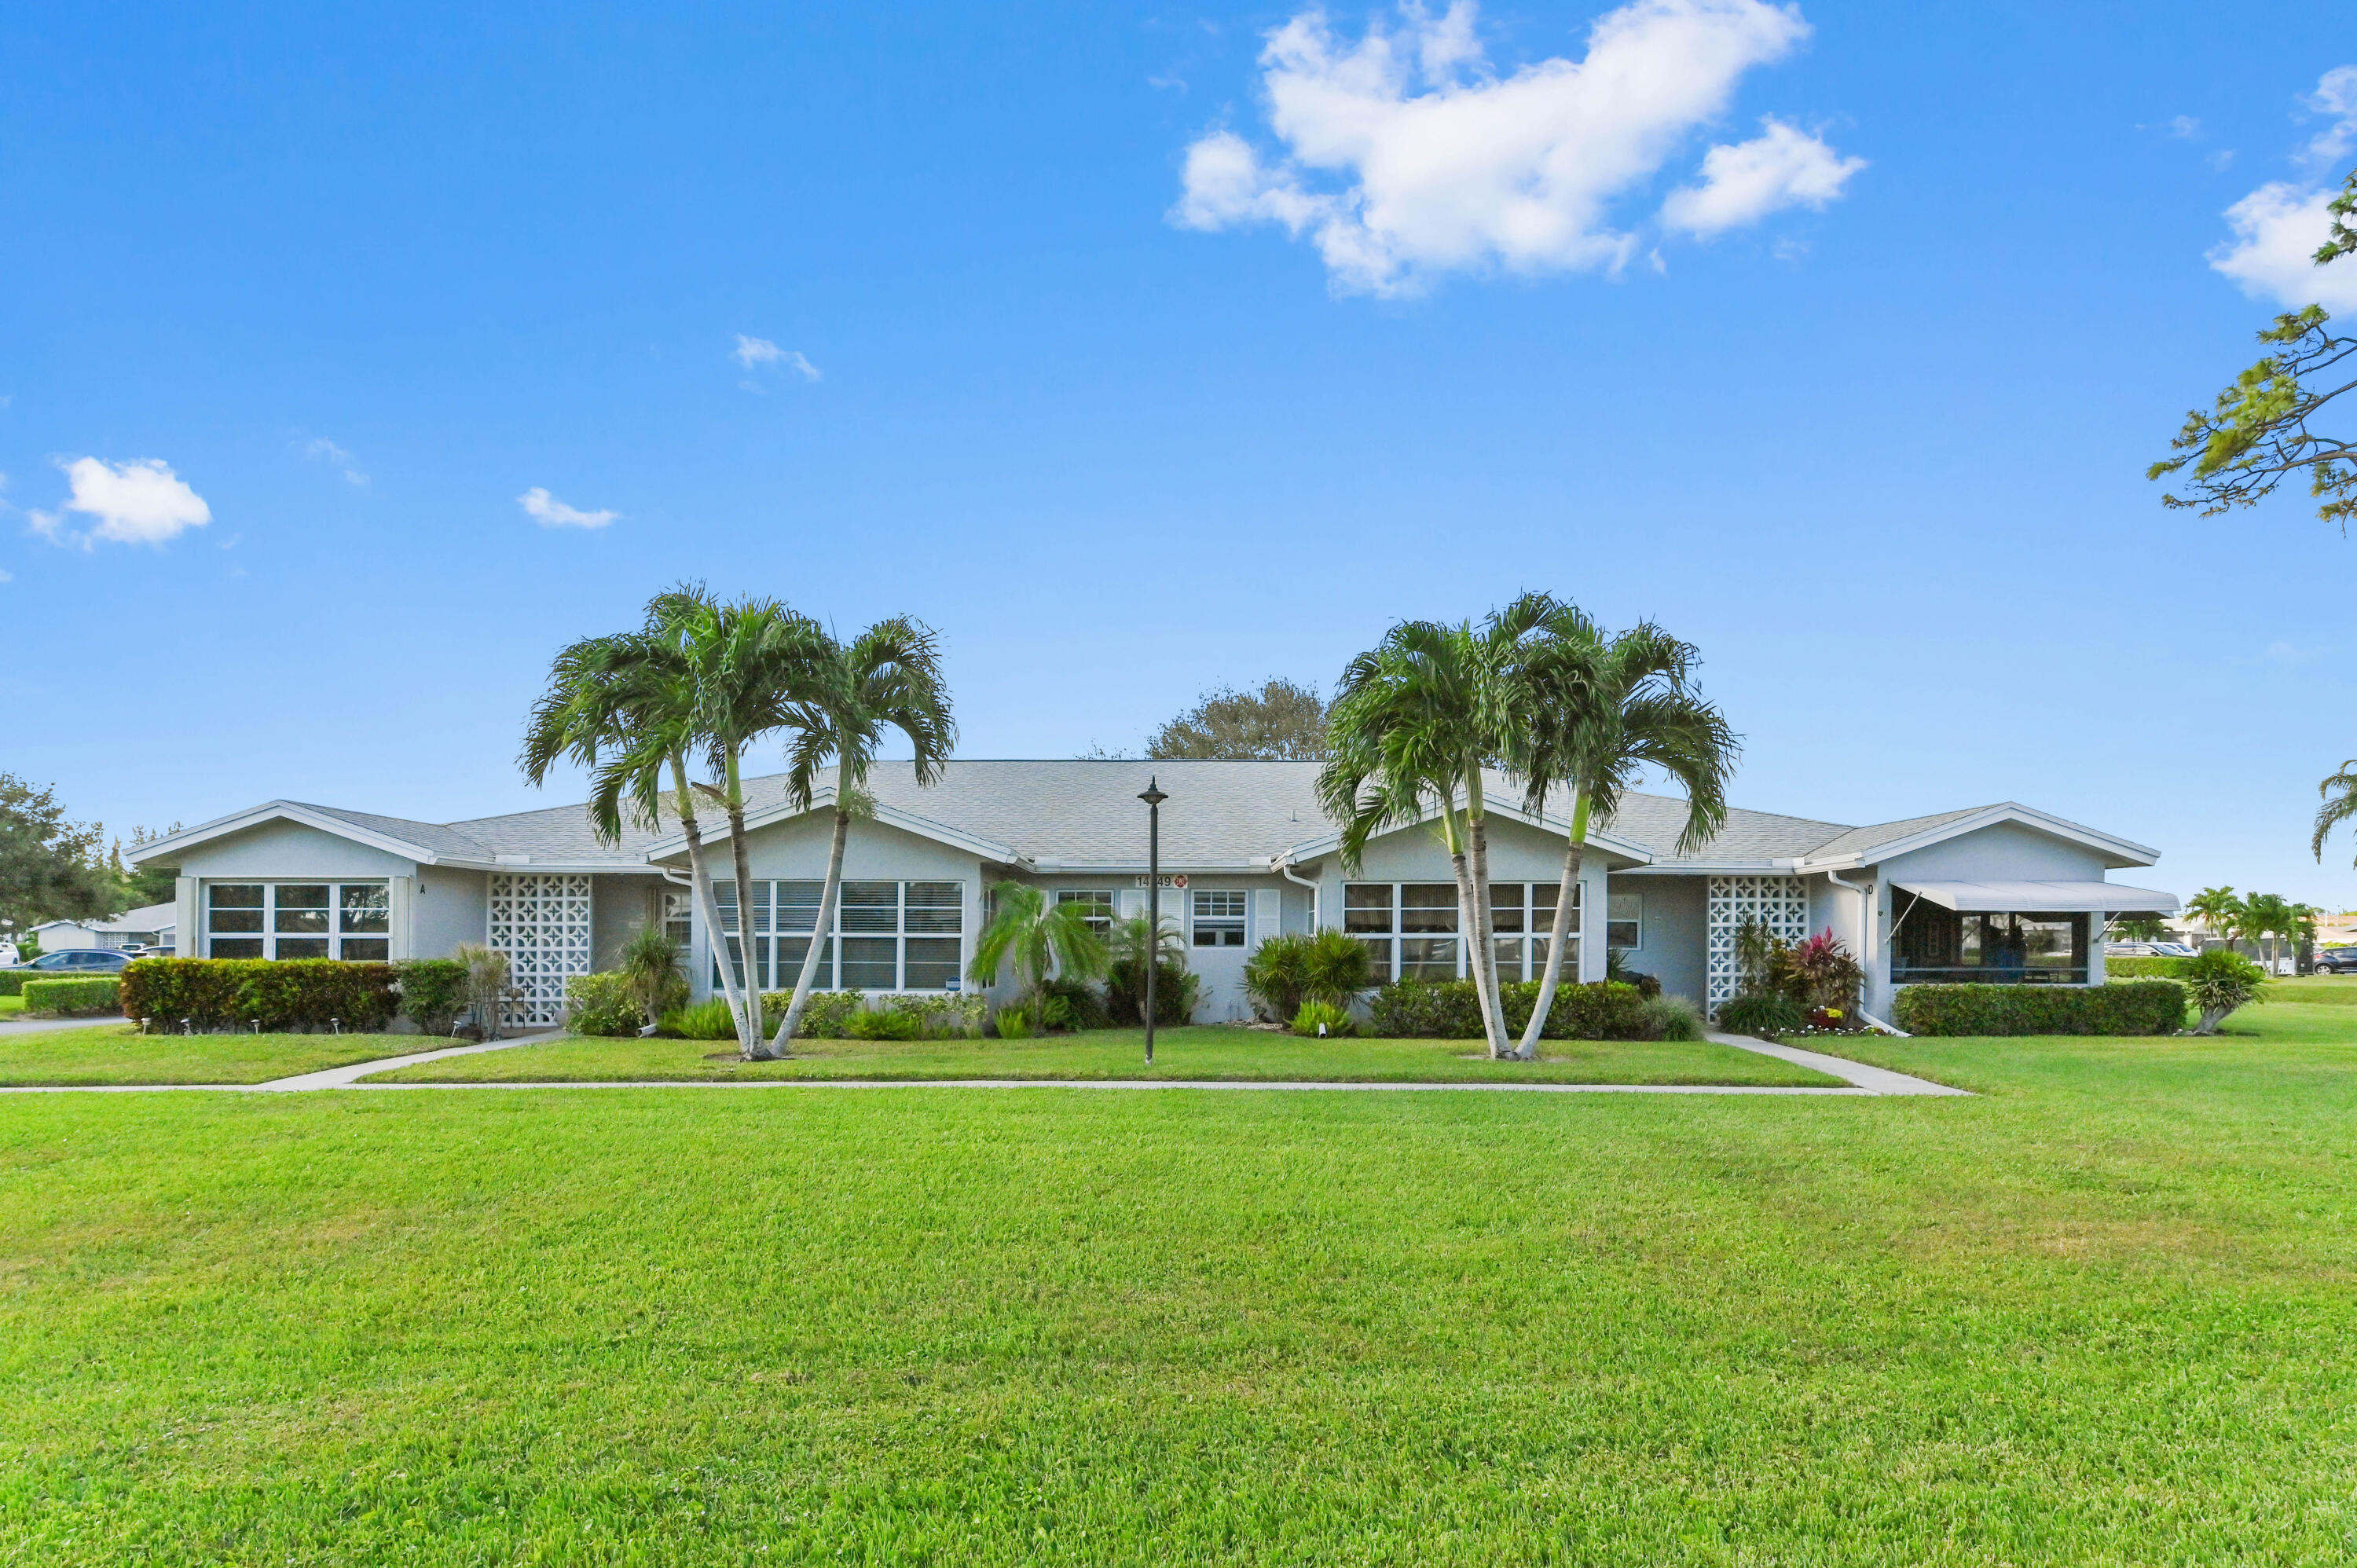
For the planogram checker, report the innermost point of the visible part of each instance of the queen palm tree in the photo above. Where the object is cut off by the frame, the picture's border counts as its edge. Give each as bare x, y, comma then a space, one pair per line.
1587, 714
2220, 910
889, 678
624, 708
1416, 722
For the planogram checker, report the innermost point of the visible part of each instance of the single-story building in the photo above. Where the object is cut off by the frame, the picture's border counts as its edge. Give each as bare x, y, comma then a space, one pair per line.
2002, 894
150, 927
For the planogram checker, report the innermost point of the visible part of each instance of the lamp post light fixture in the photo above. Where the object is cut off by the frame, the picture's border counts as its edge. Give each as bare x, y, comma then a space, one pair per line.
1153, 797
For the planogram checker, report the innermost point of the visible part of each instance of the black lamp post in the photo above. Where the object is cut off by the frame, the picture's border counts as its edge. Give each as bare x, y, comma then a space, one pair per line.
1153, 797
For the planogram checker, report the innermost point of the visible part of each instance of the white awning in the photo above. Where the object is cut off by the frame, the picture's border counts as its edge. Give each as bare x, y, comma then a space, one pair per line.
2042, 898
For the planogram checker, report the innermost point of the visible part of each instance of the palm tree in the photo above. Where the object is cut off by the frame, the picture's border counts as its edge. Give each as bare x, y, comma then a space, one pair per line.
2267, 917
889, 678
1587, 714
753, 662
1042, 938
1416, 722
2220, 910
2339, 793
626, 707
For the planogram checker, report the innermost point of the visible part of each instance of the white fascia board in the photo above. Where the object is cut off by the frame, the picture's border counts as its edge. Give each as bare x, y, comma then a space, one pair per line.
1628, 849
1716, 868
281, 810
2126, 850
890, 816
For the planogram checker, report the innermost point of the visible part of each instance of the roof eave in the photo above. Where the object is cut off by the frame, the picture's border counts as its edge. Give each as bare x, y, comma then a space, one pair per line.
275, 810
2126, 850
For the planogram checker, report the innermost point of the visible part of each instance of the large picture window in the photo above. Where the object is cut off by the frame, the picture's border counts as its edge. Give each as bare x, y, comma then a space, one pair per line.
1410, 929
887, 936
349, 920
1943, 945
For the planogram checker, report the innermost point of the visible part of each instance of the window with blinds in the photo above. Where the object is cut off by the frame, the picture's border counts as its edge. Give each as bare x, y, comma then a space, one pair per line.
887, 936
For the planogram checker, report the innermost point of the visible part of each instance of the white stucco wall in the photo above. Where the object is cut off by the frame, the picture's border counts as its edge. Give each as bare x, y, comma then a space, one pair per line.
1673, 932
446, 908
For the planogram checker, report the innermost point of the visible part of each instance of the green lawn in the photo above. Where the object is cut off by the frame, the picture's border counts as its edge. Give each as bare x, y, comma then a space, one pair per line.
11, 1005
1195, 1052
117, 1053
2099, 1313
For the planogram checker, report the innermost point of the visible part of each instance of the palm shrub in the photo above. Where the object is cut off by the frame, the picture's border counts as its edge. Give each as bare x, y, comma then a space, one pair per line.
1013, 1023
1276, 976
1175, 986
651, 971
1039, 938
487, 983
1822, 975
2220, 982
886, 1023
1317, 1018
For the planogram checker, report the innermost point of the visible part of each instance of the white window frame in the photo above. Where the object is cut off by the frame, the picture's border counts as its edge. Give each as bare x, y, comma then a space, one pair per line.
1098, 898
1532, 965
778, 970
1222, 924
1624, 909
335, 936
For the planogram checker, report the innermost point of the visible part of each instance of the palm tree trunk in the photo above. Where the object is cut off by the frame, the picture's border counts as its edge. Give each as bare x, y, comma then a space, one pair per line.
750, 1044
699, 871
821, 934
1574, 849
1485, 919
1468, 926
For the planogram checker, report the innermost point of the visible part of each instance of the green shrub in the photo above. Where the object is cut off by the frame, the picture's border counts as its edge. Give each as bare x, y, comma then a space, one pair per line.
1014, 1024
433, 991
2131, 1007
1766, 1014
1451, 1009
2221, 981
1286, 971
1648, 986
12, 980
942, 1016
1074, 1005
826, 1016
1670, 1018
1175, 990
887, 1024
603, 1004
704, 1021
289, 995
1315, 1019
2146, 967
85, 996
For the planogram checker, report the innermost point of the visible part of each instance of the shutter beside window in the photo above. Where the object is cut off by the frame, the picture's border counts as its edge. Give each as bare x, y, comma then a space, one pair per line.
1268, 914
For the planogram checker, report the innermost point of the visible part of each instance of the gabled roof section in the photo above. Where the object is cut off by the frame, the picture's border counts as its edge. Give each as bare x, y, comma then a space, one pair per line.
1885, 840
1599, 837
427, 842
823, 800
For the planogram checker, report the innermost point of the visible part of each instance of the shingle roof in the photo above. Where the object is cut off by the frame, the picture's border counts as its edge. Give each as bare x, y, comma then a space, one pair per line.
1080, 811
441, 838
1861, 840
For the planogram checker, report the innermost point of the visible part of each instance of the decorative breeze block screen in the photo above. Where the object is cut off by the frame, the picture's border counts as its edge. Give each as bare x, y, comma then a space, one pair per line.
1778, 902
542, 922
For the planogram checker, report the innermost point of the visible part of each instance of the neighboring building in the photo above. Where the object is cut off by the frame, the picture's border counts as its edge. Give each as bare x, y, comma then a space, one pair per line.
2003, 894
152, 927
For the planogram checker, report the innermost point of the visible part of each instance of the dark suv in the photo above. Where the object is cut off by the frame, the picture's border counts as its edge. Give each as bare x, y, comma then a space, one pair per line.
2335, 961
78, 960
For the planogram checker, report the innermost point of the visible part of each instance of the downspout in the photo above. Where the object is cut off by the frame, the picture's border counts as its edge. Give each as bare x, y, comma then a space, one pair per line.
1283, 865
1865, 892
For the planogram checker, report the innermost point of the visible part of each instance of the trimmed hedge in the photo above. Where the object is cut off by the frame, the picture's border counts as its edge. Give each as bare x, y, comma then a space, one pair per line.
283, 995
2129, 1007
433, 991
1449, 1010
85, 996
2152, 967
12, 980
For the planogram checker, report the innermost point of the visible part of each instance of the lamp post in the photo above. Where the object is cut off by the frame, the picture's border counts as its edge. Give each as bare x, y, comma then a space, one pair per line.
1153, 797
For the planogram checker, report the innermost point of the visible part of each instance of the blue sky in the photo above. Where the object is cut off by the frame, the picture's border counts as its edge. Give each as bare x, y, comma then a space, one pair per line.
1872, 436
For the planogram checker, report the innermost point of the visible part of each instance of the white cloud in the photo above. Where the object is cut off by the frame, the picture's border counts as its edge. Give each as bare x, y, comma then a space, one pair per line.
756, 352
137, 503
1405, 156
549, 512
2277, 229
1747, 181
7, 576
320, 449
2185, 127
2335, 94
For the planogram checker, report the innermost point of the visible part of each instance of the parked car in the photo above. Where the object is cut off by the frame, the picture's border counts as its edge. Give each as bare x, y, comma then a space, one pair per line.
2175, 950
2335, 961
77, 960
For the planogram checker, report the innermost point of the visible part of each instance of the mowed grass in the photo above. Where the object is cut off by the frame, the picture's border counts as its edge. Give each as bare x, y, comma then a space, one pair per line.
118, 1053
1198, 1052
10, 1006
2099, 1313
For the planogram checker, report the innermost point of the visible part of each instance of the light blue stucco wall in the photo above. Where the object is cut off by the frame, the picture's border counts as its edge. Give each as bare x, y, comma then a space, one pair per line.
1673, 931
